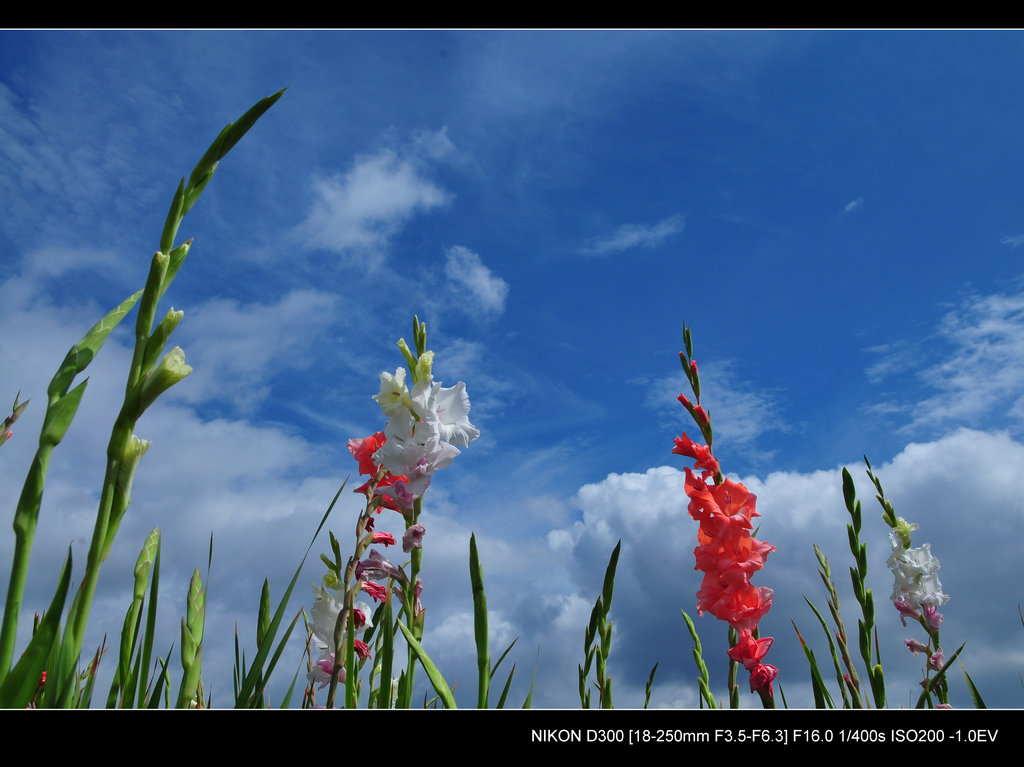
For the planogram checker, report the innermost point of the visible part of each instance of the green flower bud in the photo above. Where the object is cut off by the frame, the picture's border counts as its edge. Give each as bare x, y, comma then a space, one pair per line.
172, 368
410, 360
903, 530
423, 366
133, 452
155, 343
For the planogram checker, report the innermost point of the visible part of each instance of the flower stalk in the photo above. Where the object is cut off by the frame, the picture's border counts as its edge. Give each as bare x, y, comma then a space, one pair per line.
424, 425
727, 552
916, 594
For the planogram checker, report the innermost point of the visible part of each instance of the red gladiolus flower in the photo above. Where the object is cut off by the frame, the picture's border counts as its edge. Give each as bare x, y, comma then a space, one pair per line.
730, 597
697, 411
762, 676
386, 538
375, 590
727, 553
701, 453
750, 651
363, 450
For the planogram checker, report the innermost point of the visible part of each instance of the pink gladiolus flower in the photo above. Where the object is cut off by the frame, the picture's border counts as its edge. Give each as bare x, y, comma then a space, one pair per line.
937, 660
378, 567
361, 648
413, 538
417, 607
932, 617
384, 490
323, 669
914, 646
906, 610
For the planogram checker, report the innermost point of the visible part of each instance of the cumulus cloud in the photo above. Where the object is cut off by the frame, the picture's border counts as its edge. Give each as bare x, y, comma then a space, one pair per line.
631, 236
959, 488
357, 212
472, 282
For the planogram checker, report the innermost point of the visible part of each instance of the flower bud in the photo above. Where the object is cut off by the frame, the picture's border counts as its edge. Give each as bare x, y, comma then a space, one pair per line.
172, 368
133, 452
915, 646
903, 529
410, 358
423, 367
413, 538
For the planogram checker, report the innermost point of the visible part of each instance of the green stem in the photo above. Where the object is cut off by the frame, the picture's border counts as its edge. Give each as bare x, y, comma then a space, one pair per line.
414, 622
24, 532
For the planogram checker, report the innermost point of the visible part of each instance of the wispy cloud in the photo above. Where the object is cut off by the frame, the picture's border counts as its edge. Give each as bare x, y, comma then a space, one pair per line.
740, 413
630, 236
981, 372
473, 283
852, 205
357, 212
1013, 240
237, 350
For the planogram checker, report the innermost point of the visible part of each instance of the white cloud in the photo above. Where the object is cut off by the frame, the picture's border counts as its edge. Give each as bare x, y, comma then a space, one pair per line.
739, 413
1013, 241
236, 349
982, 367
473, 283
56, 261
961, 489
434, 145
358, 211
852, 205
630, 236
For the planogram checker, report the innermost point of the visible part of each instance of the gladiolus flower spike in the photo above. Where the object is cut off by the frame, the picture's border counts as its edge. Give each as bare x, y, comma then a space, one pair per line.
726, 553
426, 425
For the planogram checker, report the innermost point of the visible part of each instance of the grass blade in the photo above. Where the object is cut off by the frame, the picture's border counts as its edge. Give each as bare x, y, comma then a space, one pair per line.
483, 660
441, 687
975, 695
249, 684
21, 683
821, 694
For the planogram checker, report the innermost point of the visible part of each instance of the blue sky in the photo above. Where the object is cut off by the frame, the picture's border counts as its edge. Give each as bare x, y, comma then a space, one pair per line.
837, 216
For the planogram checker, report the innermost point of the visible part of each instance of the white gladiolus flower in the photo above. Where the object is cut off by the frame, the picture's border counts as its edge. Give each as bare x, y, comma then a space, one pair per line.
915, 573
